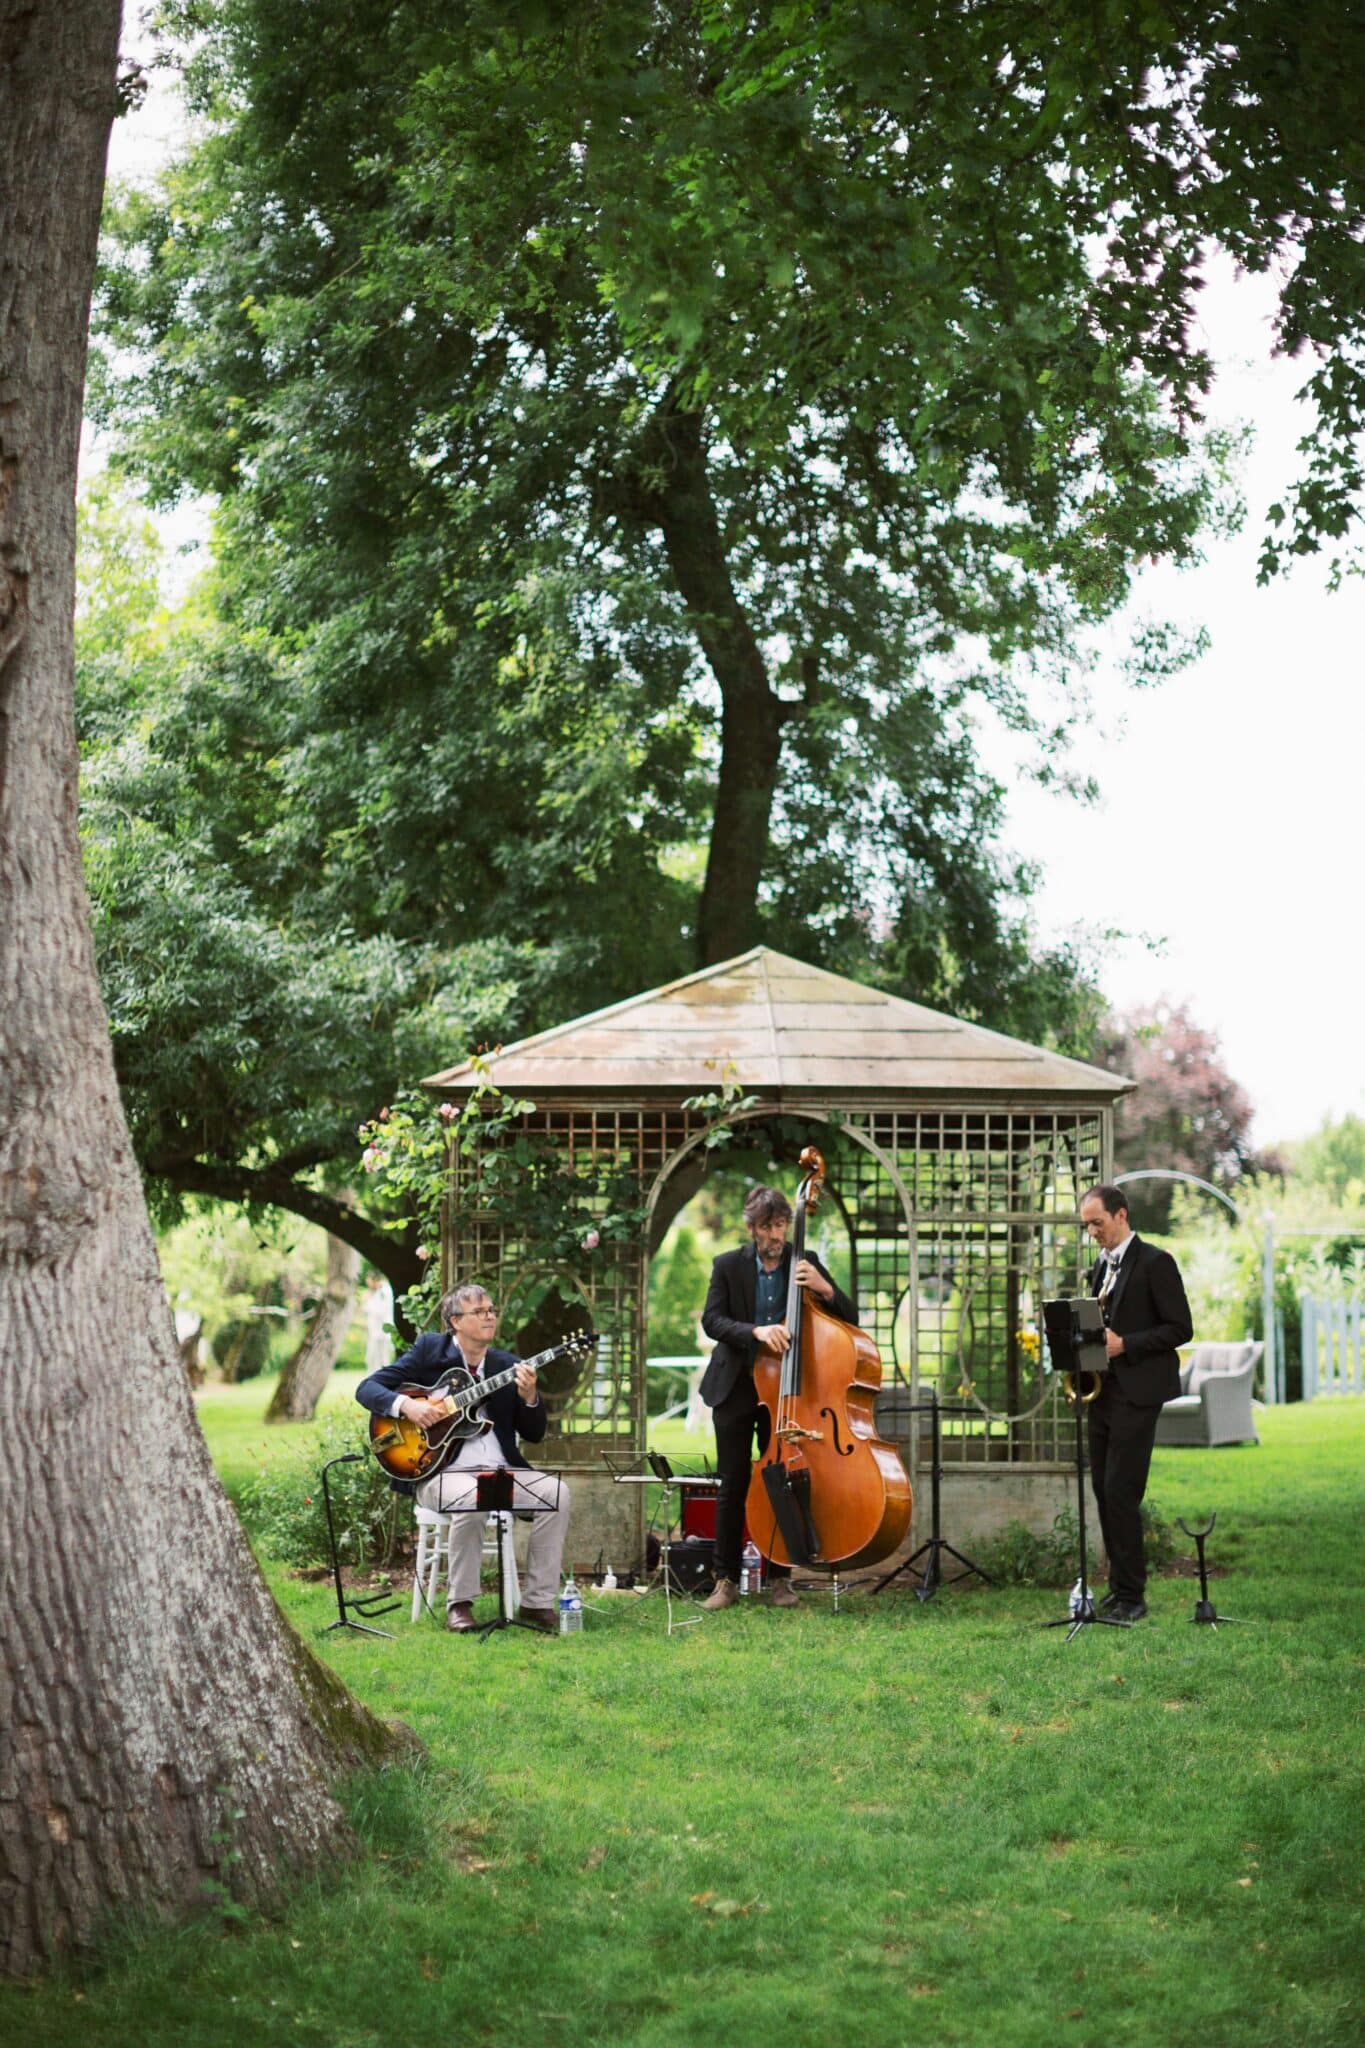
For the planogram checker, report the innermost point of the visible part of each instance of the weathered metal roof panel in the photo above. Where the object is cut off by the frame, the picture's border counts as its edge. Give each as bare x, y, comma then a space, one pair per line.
776, 1026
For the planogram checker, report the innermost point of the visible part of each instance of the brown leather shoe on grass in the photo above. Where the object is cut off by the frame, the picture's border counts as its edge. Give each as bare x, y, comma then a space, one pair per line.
460, 1618
782, 1593
725, 1594
543, 1618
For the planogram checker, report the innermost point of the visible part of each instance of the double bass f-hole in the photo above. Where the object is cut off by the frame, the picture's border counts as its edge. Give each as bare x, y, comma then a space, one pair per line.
840, 1450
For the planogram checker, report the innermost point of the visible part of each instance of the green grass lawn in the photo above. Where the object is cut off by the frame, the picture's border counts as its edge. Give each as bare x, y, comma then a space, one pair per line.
897, 1824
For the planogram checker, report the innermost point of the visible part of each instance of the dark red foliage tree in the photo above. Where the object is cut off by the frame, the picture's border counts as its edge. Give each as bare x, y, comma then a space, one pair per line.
1186, 1114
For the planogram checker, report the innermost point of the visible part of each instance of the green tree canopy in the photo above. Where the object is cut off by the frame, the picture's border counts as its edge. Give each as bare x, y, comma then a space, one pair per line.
646, 436
776, 384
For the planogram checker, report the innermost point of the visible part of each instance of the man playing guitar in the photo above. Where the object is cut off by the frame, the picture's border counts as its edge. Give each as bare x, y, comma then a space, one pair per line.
516, 1411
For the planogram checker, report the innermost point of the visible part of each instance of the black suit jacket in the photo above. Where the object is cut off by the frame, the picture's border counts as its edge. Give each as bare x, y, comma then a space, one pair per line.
432, 1356
731, 1300
1148, 1309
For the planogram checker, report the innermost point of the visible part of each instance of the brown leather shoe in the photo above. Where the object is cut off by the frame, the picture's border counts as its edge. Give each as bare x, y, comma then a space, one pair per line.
725, 1595
460, 1617
782, 1593
543, 1618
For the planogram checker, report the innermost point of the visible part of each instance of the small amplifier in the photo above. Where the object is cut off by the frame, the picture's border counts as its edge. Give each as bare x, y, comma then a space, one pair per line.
691, 1565
698, 1516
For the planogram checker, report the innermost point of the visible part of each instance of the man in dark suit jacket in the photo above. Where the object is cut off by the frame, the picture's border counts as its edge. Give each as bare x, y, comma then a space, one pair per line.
1146, 1316
470, 1323
746, 1313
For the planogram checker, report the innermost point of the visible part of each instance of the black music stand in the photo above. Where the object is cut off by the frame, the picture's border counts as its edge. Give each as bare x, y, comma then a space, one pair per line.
494, 1492
930, 1577
661, 1474
1075, 1334
373, 1603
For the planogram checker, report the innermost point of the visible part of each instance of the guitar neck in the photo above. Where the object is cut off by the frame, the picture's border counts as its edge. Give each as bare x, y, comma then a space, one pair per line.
470, 1397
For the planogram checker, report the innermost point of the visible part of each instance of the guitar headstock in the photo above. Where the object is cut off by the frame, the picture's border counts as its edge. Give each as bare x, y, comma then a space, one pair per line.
578, 1340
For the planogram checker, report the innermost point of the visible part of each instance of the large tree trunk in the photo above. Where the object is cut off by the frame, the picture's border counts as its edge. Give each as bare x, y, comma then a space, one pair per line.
752, 715
157, 1732
308, 1371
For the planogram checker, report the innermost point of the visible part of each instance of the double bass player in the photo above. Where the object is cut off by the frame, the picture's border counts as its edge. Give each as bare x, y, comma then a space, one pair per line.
745, 1314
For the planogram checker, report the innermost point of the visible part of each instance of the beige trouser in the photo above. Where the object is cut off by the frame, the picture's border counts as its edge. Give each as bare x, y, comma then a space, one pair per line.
543, 1491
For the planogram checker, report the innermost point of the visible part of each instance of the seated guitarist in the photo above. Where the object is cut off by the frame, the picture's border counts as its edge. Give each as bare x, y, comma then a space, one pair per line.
470, 1322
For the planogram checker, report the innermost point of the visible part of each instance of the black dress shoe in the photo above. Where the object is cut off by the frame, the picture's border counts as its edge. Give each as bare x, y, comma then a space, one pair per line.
1128, 1610
1109, 1603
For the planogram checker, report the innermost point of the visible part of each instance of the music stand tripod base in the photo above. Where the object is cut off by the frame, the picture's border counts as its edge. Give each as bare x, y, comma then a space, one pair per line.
1085, 1617
494, 1494
930, 1576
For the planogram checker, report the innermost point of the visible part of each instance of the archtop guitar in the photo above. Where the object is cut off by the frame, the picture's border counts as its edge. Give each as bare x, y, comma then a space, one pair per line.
408, 1451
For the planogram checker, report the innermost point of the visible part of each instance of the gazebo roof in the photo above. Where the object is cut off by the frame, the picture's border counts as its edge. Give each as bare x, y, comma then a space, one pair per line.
785, 1031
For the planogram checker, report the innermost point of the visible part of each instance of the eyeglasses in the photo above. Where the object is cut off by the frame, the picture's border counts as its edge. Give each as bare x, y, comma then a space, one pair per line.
487, 1310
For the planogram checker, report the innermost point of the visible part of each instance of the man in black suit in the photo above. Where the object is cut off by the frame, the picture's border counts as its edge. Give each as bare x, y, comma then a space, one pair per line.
470, 1323
1146, 1316
746, 1306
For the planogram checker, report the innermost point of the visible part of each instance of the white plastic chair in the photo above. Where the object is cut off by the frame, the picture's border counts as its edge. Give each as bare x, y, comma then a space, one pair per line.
433, 1559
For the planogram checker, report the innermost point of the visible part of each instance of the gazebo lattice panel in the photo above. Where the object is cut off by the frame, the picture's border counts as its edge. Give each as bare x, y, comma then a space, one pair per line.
960, 1223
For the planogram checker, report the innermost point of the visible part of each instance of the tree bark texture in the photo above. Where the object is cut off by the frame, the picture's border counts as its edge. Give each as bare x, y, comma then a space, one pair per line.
161, 1729
752, 715
308, 1371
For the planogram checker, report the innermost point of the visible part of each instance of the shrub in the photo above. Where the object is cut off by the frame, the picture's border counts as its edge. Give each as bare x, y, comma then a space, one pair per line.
241, 1348
1018, 1557
283, 1510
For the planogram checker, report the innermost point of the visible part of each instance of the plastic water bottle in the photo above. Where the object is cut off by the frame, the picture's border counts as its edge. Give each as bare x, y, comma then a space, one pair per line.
750, 1568
1080, 1592
570, 1608
608, 1580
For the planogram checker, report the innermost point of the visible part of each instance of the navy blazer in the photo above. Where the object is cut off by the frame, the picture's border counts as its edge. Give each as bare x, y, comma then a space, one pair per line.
728, 1316
1148, 1309
429, 1359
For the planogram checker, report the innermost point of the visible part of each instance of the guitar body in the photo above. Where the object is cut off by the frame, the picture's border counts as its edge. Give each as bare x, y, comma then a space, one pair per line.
406, 1450
409, 1452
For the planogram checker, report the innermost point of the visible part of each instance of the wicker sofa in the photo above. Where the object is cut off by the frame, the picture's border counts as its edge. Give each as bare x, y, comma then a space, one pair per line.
1214, 1405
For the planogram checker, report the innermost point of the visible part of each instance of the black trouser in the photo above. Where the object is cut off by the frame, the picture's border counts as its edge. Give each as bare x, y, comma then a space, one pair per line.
1121, 1440
734, 1419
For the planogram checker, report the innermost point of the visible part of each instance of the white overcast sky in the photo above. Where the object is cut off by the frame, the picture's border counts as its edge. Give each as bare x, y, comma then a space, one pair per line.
1228, 825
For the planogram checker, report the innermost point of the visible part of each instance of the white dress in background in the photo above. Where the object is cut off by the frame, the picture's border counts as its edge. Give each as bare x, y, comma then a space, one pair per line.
378, 1308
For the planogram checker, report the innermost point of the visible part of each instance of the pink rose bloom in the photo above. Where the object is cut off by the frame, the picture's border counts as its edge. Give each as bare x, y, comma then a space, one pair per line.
591, 1241
422, 1252
447, 1111
370, 1159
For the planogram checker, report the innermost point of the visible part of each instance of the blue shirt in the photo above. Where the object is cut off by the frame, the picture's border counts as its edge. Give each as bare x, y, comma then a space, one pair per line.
770, 1295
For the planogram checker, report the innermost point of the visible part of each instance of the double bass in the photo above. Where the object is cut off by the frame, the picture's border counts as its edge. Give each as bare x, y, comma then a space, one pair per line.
827, 1493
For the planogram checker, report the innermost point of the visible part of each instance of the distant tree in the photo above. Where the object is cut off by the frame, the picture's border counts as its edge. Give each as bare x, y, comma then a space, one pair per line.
1186, 1113
1333, 1159
677, 1290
